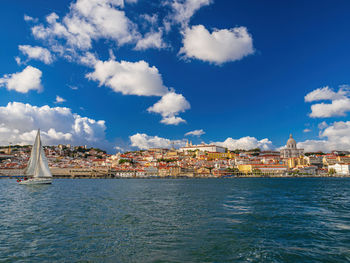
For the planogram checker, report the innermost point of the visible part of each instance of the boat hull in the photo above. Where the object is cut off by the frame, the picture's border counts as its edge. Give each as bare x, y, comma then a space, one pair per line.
36, 181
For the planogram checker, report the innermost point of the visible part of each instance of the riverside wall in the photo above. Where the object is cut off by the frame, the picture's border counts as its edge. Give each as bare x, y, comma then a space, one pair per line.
106, 173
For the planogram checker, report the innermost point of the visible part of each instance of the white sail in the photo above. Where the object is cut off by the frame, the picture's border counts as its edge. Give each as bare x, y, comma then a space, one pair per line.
33, 157
37, 165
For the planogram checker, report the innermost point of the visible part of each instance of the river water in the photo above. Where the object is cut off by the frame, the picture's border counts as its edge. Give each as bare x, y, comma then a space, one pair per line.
176, 220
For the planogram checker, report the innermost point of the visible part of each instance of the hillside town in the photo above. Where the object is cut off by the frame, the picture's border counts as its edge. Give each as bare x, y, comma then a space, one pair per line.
203, 160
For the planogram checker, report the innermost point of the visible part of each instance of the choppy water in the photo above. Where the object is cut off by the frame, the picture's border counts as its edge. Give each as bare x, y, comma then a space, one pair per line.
213, 220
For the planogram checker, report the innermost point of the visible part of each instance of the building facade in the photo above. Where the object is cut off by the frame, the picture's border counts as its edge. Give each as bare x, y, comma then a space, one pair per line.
291, 149
342, 169
203, 147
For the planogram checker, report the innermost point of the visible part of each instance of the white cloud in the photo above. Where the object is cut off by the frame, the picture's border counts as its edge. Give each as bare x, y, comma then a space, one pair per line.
151, 40
246, 143
218, 47
150, 19
183, 10
336, 108
314, 145
89, 20
322, 125
88, 59
59, 99
119, 149
18, 60
36, 52
306, 130
326, 93
169, 106
339, 106
138, 78
334, 137
23, 82
129, 78
172, 120
195, 133
50, 135
144, 141
30, 19
19, 123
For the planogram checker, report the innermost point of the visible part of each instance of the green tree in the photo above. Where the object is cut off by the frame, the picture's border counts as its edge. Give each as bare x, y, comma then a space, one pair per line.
331, 171
121, 161
257, 172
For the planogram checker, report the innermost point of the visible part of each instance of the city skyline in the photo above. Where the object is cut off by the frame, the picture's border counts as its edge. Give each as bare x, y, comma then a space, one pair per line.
125, 75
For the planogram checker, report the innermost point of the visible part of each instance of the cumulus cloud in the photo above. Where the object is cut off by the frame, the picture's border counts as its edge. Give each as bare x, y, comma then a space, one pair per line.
334, 137
151, 40
37, 53
143, 141
59, 99
172, 120
195, 133
169, 106
89, 20
217, 47
336, 108
139, 78
19, 123
183, 10
23, 82
325, 93
339, 105
87, 59
246, 143
129, 78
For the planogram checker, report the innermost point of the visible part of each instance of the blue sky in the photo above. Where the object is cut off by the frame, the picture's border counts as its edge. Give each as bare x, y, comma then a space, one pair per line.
138, 74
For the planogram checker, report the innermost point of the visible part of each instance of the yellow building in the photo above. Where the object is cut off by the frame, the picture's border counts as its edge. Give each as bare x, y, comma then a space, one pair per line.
172, 154
245, 168
296, 162
218, 155
263, 169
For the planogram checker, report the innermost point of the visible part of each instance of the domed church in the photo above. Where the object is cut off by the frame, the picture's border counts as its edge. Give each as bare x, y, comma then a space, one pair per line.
291, 149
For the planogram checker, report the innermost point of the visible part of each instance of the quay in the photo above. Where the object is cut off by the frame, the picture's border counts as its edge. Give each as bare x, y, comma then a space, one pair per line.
88, 173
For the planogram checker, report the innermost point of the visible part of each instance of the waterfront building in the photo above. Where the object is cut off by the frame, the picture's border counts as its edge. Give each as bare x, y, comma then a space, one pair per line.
204, 172
342, 169
270, 169
291, 149
219, 172
308, 170
151, 171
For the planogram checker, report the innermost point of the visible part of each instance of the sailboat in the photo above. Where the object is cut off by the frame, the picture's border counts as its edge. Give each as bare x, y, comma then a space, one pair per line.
37, 171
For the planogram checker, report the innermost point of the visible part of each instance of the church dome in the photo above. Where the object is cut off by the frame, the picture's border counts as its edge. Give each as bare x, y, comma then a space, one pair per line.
291, 143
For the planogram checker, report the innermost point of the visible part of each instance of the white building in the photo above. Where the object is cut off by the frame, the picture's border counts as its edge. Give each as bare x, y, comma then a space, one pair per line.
309, 170
291, 149
203, 147
343, 169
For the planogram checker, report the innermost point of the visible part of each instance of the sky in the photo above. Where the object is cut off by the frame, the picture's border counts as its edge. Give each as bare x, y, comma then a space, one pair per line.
134, 74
